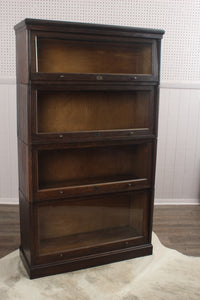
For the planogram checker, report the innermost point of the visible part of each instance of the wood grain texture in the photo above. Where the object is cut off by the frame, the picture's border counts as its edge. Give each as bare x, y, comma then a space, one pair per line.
22, 65
23, 113
9, 229
25, 226
178, 227
24, 157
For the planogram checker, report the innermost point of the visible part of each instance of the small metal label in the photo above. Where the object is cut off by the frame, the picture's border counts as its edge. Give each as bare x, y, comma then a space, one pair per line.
95, 188
97, 134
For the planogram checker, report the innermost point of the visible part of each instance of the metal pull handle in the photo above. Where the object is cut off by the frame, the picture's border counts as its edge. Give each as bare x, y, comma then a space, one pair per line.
97, 134
99, 77
95, 188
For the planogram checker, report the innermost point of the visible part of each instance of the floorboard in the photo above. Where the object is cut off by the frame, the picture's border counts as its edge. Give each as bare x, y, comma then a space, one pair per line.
178, 227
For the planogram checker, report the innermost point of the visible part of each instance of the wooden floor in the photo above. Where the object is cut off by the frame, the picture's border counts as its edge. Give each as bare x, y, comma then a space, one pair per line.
177, 227
9, 228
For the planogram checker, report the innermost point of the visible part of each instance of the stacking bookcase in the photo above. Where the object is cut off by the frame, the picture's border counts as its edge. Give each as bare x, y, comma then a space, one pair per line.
87, 104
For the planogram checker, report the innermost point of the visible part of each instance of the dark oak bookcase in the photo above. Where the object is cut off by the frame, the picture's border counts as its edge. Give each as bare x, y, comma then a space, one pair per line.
87, 104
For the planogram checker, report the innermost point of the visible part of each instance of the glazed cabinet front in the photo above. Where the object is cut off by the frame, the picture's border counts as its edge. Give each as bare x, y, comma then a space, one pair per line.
92, 57
90, 225
68, 114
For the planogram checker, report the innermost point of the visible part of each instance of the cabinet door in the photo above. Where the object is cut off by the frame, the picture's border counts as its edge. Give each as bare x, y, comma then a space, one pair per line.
81, 115
77, 171
92, 57
78, 227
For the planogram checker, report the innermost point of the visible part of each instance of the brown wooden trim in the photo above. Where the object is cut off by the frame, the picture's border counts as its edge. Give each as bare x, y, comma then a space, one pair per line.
41, 270
87, 136
93, 189
49, 25
62, 77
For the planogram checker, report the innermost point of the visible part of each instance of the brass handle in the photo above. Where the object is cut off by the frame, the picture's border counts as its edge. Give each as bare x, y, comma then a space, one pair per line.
61, 192
61, 136
99, 77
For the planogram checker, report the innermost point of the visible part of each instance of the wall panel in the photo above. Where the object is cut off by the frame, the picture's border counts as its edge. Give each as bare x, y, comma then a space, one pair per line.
8, 146
178, 159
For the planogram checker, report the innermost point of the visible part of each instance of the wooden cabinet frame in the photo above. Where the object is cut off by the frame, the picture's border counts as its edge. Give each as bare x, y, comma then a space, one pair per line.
100, 38
40, 194
93, 135
87, 121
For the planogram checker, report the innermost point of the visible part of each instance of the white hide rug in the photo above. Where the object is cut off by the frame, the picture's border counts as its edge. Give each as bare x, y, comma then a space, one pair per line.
167, 274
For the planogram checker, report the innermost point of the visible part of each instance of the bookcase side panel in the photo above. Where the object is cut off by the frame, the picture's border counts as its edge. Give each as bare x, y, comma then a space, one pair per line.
24, 170
23, 113
22, 56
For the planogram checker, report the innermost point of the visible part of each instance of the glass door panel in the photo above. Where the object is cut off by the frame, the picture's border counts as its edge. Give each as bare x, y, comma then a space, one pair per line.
87, 166
91, 222
74, 111
73, 56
